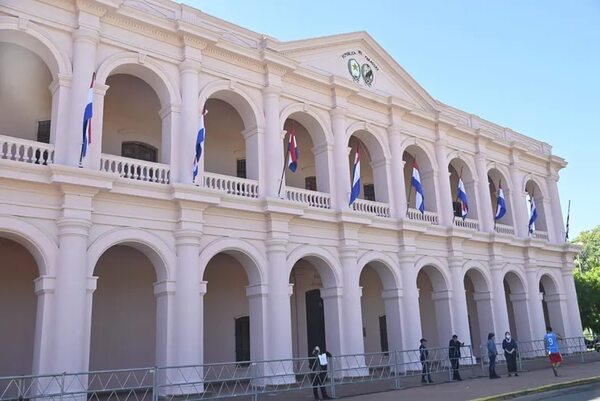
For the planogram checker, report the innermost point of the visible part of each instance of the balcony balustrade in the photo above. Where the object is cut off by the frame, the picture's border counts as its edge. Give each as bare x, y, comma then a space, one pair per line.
136, 169
24, 150
231, 185
370, 207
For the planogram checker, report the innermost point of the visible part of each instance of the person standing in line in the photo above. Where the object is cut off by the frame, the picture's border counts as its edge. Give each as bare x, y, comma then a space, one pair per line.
424, 357
492, 354
509, 345
454, 355
319, 366
551, 341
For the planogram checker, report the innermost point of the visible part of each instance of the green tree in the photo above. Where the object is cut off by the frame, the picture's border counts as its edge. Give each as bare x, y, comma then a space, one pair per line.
587, 278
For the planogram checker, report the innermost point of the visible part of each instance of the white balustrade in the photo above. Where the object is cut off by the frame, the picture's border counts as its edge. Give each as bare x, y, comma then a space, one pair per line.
376, 208
504, 229
429, 217
24, 150
310, 198
540, 234
231, 185
136, 169
473, 224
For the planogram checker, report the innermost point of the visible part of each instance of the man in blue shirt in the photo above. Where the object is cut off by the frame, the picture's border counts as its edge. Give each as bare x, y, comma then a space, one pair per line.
551, 341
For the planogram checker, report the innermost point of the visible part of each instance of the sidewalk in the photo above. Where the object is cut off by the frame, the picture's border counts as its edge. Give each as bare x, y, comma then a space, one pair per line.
483, 387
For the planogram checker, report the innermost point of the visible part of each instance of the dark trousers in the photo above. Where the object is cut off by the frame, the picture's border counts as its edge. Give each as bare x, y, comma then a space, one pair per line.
511, 362
493, 366
318, 382
455, 363
426, 371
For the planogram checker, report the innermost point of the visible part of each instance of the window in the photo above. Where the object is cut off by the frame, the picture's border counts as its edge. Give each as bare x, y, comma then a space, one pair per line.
242, 340
457, 209
241, 168
310, 183
369, 191
43, 132
139, 151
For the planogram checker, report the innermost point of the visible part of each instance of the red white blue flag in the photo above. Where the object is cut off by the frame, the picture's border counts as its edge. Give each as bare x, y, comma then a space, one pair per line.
292, 151
199, 145
87, 120
415, 181
355, 178
462, 197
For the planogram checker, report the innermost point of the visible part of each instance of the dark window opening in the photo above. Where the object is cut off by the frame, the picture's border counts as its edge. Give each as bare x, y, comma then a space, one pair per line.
139, 151
242, 341
310, 183
457, 209
241, 168
369, 192
43, 136
383, 337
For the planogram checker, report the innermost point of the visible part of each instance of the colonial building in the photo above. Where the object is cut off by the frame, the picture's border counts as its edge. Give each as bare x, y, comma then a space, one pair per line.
124, 261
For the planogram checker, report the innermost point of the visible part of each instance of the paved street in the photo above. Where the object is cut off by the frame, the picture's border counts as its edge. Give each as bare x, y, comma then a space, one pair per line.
589, 392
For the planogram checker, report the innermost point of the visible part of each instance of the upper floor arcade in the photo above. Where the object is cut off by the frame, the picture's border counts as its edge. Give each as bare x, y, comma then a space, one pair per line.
147, 108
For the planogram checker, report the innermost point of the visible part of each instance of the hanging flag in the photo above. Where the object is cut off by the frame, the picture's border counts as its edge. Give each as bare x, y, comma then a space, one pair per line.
355, 178
567, 228
199, 145
533, 215
87, 121
462, 197
292, 151
415, 181
501, 208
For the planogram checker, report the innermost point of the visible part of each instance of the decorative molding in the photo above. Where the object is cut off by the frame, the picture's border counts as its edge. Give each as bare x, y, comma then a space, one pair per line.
91, 7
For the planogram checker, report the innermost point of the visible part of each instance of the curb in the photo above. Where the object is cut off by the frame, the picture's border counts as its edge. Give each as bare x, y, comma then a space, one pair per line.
541, 389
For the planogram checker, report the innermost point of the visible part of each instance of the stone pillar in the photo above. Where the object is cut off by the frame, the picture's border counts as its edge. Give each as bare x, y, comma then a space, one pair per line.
519, 202
334, 325
59, 88
558, 313
445, 209
93, 159
164, 294
44, 289
484, 302
501, 323
341, 165
392, 299
398, 185
169, 116
536, 311
85, 42
411, 333
545, 207
486, 210
189, 123
557, 216
520, 309
255, 158
460, 315
274, 157
257, 304
572, 317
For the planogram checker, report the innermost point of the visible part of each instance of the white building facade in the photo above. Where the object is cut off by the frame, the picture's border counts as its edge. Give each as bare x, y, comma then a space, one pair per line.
124, 262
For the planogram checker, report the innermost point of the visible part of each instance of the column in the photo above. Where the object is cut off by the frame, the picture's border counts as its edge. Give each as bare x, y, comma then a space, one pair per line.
411, 333
341, 161
392, 300
397, 172
59, 88
558, 313
486, 211
536, 312
557, 216
94, 157
572, 318
44, 289
519, 202
445, 209
166, 343
85, 41
484, 303
274, 157
501, 323
520, 303
255, 158
189, 123
334, 325
460, 316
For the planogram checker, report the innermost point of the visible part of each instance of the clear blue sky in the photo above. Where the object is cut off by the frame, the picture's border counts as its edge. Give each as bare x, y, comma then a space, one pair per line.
532, 66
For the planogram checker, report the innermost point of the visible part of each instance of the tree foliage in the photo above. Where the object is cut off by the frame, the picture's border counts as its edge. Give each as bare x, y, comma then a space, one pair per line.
587, 278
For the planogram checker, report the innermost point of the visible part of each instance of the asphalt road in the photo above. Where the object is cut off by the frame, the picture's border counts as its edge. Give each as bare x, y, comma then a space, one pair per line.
590, 392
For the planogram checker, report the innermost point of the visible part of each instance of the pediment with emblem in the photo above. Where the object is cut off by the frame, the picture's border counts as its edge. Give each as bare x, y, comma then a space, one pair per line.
357, 57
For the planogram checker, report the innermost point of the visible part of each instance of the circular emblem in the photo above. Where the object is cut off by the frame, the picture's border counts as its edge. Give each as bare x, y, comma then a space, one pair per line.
367, 74
354, 69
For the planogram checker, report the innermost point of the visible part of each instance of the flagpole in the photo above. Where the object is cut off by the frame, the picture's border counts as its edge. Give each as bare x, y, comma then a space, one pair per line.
568, 215
282, 172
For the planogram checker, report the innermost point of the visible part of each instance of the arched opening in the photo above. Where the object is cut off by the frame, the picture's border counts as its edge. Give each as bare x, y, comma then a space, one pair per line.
314, 311
25, 97
496, 181
459, 169
551, 300
373, 174
132, 125
412, 154
479, 308
516, 304
18, 303
434, 306
124, 313
312, 172
535, 205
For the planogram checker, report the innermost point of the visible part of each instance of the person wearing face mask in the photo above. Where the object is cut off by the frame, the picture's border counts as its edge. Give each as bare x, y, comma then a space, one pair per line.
509, 345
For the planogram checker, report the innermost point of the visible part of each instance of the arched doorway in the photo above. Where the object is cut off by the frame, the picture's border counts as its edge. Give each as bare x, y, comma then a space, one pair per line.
459, 169
414, 154
551, 304
434, 306
124, 313
497, 180
18, 303
516, 304
535, 205
479, 307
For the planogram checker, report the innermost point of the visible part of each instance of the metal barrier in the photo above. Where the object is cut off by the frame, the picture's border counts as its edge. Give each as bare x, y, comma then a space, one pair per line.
527, 351
255, 378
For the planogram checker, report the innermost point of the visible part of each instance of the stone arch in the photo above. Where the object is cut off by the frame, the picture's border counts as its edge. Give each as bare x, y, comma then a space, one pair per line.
423, 146
161, 255
372, 138
539, 185
497, 175
384, 265
482, 281
458, 164
417, 150
466, 159
478, 296
515, 292
436, 270
41, 246
516, 279
309, 117
326, 263
550, 281
552, 301
147, 69
536, 190
34, 38
250, 257
237, 97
